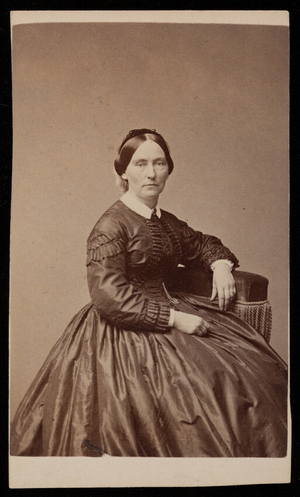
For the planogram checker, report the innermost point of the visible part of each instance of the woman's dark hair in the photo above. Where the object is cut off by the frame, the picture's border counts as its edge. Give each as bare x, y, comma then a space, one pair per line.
131, 143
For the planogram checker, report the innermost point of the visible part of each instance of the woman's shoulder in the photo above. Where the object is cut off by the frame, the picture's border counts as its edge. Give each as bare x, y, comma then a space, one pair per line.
171, 218
111, 221
108, 237
180, 226
118, 221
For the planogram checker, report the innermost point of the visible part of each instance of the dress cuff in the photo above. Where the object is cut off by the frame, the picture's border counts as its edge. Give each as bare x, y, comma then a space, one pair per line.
156, 318
225, 261
172, 318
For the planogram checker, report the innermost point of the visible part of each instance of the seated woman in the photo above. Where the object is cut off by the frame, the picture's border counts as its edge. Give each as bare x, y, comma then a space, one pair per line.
139, 372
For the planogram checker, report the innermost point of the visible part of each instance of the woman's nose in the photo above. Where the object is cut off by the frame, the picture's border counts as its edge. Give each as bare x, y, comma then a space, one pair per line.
150, 171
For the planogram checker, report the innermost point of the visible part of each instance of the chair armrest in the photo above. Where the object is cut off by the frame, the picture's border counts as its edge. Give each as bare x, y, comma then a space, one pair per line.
250, 287
251, 303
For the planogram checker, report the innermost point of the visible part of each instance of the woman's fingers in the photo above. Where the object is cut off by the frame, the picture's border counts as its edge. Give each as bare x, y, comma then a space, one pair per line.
221, 300
190, 324
223, 287
214, 292
232, 293
200, 331
202, 328
225, 296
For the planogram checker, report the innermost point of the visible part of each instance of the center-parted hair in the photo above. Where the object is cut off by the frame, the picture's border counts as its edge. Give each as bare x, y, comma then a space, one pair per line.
131, 143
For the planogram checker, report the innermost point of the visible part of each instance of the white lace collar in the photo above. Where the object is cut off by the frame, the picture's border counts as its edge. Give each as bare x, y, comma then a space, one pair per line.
135, 205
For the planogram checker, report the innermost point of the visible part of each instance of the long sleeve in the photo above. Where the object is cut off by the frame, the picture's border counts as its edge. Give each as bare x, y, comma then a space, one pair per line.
200, 249
116, 299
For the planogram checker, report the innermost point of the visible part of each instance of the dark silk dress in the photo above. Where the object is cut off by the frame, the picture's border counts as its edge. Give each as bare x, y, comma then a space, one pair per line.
120, 382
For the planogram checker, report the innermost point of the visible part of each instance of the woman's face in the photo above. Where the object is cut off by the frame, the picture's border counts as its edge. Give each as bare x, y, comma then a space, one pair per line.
147, 173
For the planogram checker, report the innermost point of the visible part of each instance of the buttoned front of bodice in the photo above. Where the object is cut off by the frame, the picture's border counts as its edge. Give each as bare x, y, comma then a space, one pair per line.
153, 251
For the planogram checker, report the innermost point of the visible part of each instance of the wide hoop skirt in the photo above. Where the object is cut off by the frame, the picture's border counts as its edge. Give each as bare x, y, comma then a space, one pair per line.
104, 390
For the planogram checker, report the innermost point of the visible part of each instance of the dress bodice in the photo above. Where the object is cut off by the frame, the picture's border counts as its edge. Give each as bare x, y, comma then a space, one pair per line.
130, 257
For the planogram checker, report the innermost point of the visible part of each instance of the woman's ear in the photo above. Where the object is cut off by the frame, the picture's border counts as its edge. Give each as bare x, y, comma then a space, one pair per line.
124, 176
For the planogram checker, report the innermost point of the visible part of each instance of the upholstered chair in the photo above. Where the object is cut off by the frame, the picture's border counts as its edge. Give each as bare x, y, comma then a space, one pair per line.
251, 303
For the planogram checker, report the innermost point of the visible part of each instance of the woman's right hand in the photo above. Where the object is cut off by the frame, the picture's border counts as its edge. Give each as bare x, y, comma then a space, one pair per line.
190, 324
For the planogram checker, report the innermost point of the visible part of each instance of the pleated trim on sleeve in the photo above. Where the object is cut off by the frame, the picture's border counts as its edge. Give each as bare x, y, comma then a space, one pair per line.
100, 246
218, 253
155, 317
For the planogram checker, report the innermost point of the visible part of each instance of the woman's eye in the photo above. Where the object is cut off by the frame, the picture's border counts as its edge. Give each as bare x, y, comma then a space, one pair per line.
140, 164
161, 163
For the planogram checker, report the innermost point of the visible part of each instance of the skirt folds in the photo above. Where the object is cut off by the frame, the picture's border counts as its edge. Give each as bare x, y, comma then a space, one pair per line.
104, 390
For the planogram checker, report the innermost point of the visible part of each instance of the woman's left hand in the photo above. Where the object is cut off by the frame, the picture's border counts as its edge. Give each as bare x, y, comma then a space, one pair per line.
223, 286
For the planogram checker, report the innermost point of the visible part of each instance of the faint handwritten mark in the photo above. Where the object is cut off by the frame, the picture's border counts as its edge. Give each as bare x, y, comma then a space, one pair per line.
93, 447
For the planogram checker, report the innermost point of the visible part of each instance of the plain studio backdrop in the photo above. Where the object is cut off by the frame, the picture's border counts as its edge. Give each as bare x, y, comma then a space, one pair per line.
217, 93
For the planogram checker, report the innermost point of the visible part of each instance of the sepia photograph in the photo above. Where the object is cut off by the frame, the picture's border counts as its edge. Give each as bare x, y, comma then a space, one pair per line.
149, 248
